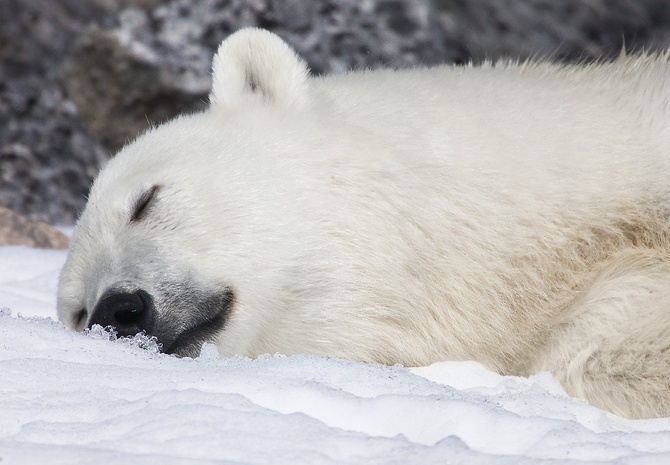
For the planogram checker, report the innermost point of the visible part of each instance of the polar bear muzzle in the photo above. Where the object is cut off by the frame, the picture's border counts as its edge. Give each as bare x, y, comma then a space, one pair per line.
182, 318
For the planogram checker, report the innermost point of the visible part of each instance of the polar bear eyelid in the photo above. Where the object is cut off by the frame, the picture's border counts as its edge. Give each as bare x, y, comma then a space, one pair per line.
143, 203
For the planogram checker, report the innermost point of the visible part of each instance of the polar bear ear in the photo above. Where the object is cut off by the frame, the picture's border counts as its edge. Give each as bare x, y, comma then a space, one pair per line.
254, 64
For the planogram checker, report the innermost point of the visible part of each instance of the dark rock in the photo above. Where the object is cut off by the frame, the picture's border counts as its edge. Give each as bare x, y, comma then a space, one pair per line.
566, 30
47, 155
16, 229
40, 33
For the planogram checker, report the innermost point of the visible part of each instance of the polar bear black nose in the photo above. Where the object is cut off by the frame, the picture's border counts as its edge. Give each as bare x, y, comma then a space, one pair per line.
128, 312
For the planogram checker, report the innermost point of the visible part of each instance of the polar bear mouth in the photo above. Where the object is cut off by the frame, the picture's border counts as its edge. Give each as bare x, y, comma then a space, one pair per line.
209, 315
189, 342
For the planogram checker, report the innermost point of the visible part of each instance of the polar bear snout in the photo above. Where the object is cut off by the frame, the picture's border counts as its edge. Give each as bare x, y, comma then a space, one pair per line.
181, 315
128, 312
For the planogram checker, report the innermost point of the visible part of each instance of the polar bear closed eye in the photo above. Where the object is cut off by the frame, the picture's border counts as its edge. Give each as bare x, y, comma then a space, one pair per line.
516, 214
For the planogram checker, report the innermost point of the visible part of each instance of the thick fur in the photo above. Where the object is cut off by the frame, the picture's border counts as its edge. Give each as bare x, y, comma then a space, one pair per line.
514, 214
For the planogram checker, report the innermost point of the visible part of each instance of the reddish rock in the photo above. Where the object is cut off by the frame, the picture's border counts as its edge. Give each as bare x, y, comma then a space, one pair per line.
16, 229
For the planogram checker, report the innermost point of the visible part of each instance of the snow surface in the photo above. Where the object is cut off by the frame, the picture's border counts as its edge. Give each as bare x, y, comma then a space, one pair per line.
69, 398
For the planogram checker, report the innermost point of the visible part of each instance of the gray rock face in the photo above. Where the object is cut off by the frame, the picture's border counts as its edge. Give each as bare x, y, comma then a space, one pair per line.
47, 155
36, 34
565, 30
78, 79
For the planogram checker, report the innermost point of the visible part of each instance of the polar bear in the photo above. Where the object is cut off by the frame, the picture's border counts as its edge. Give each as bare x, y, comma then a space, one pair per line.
513, 214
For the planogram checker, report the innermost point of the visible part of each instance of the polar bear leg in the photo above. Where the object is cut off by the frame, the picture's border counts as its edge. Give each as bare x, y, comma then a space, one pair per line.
614, 348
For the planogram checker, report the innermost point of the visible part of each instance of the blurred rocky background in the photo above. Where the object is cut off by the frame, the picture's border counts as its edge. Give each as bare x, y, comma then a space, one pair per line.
78, 79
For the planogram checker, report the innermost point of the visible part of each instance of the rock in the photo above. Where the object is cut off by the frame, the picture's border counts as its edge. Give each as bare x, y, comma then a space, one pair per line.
40, 33
48, 157
16, 229
566, 30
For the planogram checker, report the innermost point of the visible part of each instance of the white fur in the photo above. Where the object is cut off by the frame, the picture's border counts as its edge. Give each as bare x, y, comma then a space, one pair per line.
515, 214
257, 62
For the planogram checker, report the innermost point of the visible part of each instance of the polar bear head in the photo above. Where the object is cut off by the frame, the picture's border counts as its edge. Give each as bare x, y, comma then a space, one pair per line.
183, 233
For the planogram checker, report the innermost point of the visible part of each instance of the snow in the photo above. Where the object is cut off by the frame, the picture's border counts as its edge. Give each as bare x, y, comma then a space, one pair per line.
91, 398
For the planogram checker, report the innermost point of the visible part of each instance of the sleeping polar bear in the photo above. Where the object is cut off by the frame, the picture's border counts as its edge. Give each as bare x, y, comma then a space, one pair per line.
517, 215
